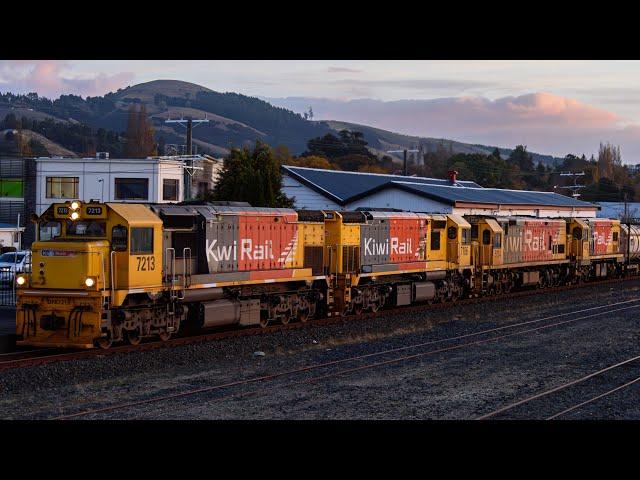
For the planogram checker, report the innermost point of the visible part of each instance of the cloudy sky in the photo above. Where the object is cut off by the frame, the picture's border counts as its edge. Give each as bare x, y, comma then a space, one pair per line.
554, 107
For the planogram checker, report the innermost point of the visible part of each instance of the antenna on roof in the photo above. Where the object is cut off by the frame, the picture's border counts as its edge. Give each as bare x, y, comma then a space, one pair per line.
189, 126
575, 187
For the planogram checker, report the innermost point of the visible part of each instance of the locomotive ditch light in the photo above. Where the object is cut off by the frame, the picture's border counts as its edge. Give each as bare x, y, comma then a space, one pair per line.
21, 280
75, 215
90, 281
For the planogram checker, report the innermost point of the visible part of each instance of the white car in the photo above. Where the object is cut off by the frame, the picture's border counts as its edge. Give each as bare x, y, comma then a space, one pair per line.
12, 262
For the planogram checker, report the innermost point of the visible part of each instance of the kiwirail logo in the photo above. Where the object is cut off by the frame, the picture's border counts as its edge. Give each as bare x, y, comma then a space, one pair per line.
393, 246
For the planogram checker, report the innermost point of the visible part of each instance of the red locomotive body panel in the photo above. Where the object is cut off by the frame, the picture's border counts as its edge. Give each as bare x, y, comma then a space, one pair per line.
601, 236
538, 239
266, 242
405, 235
532, 240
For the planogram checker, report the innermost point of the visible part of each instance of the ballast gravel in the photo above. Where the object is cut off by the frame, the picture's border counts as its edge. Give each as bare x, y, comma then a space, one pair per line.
456, 384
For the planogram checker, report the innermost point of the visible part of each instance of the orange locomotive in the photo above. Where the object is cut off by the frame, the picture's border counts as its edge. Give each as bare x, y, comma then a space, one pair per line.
105, 273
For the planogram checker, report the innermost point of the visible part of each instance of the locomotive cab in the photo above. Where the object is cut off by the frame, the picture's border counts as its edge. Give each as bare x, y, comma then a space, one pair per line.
87, 257
486, 237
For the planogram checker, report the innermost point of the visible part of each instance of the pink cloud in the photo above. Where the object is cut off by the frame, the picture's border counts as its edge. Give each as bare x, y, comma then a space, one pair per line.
48, 78
545, 122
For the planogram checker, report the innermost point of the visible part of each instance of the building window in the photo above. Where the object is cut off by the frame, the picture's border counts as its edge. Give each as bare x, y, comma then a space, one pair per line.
11, 187
170, 189
141, 240
203, 189
62, 187
132, 188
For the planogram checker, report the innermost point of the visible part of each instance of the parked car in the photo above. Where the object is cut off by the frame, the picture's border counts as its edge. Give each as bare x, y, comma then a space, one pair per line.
12, 262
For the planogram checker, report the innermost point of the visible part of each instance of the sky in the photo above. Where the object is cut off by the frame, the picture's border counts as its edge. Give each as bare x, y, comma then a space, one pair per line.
554, 107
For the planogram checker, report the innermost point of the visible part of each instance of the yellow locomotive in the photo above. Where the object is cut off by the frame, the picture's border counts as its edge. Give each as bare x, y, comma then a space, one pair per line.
112, 272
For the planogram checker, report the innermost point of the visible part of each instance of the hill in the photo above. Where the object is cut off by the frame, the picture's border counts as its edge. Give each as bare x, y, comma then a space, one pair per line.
234, 119
382, 140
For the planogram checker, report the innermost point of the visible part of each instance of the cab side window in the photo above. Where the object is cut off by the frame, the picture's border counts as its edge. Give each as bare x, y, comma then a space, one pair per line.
119, 238
497, 240
486, 237
435, 240
141, 240
577, 233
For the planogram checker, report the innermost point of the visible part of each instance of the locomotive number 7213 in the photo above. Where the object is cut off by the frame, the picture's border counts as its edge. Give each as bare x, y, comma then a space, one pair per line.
146, 263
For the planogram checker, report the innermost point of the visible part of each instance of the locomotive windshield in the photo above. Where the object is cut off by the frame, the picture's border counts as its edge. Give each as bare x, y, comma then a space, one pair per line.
86, 228
49, 231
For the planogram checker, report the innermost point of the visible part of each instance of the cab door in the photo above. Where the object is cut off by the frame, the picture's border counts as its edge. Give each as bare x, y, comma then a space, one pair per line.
145, 256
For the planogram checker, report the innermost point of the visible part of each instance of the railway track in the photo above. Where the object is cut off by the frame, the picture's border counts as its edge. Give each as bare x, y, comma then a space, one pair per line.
35, 359
491, 335
548, 395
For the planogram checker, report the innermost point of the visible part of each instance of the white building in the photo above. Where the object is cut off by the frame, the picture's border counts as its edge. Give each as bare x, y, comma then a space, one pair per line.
10, 236
318, 189
153, 179
206, 174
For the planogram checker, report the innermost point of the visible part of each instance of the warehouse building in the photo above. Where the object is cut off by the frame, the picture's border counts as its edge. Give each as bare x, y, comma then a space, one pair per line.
617, 209
318, 189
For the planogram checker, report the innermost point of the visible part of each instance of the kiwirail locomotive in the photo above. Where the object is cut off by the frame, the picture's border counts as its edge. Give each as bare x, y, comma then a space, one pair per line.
120, 272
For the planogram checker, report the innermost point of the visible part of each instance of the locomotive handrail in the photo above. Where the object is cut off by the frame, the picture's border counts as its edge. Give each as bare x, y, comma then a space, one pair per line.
173, 265
184, 266
113, 282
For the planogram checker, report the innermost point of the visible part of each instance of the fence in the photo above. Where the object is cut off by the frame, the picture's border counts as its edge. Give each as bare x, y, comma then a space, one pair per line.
7, 287
21, 263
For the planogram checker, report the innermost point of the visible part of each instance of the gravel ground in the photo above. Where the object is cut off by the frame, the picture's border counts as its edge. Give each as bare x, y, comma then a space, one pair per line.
458, 384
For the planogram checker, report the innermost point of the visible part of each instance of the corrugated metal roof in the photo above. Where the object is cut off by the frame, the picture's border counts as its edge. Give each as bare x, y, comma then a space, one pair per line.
344, 187
452, 195
616, 209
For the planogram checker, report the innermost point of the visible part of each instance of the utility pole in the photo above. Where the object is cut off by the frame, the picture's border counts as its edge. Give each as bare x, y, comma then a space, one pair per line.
188, 123
405, 171
575, 187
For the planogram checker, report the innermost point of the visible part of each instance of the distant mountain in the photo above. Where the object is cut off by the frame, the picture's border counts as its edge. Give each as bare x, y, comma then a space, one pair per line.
381, 141
234, 119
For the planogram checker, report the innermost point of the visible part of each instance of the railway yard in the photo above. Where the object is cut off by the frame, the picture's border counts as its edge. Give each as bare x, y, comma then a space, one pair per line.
568, 353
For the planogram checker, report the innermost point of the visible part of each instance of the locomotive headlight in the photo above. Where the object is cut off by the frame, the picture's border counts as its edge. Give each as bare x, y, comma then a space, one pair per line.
75, 216
21, 280
90, 282
75, 205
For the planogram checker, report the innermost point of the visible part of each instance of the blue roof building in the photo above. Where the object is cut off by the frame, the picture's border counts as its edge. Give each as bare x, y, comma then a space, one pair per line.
332, 189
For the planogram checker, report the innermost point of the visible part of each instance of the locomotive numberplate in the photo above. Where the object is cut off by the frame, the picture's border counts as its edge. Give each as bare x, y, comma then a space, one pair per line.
57, 301
94, 210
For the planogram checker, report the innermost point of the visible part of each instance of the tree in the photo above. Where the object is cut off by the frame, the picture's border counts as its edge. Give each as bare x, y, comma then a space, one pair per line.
252, 176
139, 135
523, 159
10, 121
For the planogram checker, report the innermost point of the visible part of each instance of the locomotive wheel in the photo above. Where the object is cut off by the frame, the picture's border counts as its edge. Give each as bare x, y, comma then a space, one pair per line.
104, 342
303, 316
164, 335
357, 309
134, 337
286, 318
374, 307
